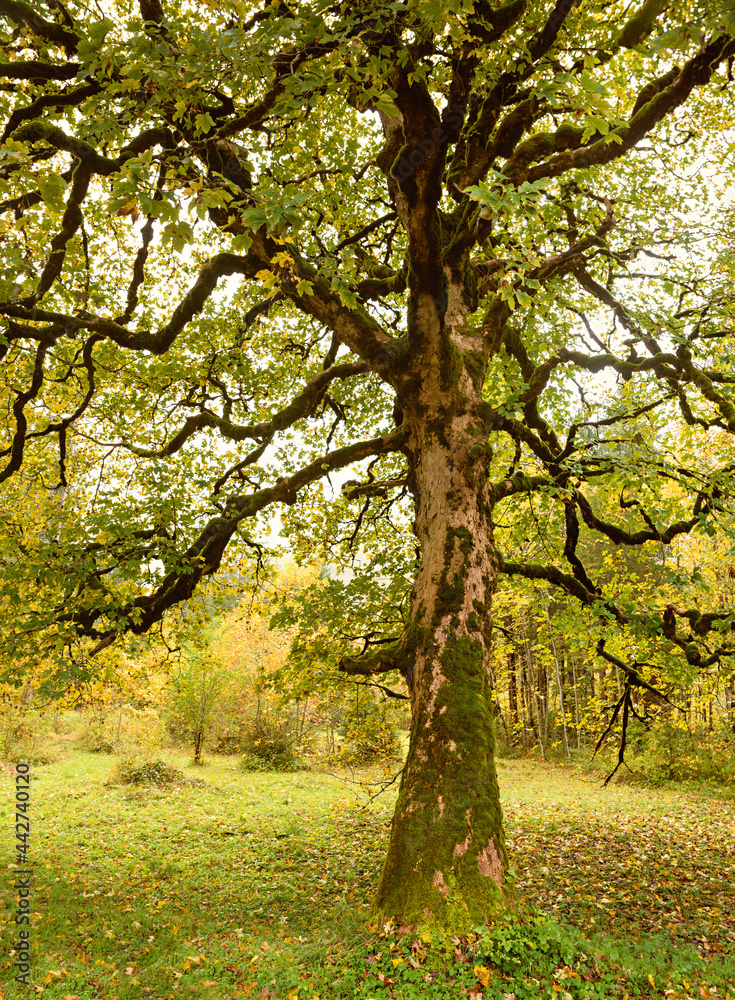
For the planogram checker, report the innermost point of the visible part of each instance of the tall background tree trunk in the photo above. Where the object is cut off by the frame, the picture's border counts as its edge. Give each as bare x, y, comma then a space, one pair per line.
513, 698
560, 687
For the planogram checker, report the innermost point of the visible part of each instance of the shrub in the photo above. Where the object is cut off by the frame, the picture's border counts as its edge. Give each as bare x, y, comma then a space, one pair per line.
282, 762
24, 739
95, 739
672, 751
31, 753
270, 746
230, 745
156, 772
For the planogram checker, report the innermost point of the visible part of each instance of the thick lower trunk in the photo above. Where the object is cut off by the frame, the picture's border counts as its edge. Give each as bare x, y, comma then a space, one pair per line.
446, 864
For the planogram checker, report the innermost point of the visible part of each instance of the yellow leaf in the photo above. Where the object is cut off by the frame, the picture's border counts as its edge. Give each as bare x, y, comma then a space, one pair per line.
130, 209
483, 974
650, 980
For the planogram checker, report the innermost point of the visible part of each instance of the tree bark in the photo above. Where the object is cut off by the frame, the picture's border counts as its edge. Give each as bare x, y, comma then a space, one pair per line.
198, 743
730, 706
542, 700
560, 687
527, 699
533, 693
446, 864
576, 702
513, 697
199, 734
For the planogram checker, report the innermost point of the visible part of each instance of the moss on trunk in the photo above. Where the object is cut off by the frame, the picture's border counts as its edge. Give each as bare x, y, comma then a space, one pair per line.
446, 866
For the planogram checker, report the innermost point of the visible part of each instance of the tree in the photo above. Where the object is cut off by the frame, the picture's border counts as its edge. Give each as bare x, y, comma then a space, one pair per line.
195, 696
247, 248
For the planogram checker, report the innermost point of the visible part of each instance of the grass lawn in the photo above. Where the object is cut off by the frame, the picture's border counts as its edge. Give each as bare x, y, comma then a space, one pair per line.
257, 885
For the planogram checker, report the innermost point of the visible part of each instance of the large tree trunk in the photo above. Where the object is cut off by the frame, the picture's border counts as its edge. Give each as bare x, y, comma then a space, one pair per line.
446, 863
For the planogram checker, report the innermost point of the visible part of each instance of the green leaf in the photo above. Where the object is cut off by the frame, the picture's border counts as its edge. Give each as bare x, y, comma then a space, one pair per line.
53, 190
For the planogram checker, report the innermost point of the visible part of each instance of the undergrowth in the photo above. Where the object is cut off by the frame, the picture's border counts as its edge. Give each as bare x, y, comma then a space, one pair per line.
155, 772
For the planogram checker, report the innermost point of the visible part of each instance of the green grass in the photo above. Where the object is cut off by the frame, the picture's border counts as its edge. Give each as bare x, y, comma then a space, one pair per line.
258, 885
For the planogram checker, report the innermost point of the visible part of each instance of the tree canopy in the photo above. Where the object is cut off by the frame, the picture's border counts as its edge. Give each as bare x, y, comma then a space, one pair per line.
481, 253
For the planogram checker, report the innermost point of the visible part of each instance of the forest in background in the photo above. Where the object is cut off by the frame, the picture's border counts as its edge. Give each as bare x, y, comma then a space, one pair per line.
273, 696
